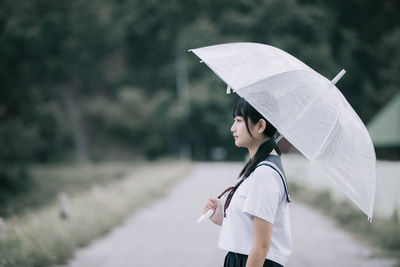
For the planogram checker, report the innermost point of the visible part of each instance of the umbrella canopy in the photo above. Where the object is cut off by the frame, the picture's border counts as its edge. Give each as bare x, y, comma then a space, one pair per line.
306, 108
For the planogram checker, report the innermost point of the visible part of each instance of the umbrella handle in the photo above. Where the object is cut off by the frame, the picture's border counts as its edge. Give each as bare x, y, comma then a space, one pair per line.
338, 76
204, 216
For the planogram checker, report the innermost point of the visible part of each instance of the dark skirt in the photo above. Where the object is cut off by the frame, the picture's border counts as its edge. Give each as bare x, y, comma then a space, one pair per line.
239, 260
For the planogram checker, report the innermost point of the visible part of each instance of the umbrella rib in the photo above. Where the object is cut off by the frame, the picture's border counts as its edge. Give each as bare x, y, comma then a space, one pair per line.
325, 139
302, 112
269, 77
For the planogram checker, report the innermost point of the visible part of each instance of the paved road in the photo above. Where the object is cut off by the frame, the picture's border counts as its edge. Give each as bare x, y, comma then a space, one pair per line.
166, 234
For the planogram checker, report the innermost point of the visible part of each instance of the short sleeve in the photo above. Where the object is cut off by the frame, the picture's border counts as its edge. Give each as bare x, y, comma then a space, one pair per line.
264, 194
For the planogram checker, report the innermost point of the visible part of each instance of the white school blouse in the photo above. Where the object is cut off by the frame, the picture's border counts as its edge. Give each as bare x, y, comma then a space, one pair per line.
262, 194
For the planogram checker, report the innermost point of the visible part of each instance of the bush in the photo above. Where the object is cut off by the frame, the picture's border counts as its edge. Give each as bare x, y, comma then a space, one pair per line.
14, 179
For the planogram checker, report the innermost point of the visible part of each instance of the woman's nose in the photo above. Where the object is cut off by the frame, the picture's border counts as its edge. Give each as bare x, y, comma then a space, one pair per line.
233, 127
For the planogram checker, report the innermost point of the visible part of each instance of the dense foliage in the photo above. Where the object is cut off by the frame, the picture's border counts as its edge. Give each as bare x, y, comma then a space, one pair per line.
94, 80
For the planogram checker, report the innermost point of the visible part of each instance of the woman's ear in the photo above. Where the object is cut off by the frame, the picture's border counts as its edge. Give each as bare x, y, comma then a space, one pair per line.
261, 125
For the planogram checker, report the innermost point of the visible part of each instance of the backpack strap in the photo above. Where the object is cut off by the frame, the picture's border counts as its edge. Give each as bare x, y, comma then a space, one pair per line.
270, 164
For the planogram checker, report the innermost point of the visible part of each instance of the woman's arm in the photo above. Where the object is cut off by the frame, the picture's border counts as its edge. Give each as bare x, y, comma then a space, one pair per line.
261, 238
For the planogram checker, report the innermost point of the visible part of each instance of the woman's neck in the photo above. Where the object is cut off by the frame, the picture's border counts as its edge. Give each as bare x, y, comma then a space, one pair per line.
253, 149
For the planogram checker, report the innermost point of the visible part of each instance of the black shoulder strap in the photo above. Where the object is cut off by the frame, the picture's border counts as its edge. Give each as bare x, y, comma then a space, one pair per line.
266, 163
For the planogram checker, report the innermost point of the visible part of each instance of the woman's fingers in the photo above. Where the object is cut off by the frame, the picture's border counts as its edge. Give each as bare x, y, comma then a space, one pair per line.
215, 202
210, 206
207, 208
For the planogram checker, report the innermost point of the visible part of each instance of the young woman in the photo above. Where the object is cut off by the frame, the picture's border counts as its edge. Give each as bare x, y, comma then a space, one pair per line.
254, 220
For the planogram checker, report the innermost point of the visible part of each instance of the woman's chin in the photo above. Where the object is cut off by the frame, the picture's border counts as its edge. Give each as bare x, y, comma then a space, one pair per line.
238, 144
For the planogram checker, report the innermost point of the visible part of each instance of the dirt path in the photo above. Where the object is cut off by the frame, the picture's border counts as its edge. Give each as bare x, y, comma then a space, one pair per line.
166, 234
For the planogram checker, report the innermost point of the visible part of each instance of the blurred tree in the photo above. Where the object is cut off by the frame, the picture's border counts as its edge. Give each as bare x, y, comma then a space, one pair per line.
51, 54
132, 120
358, 44
118, 73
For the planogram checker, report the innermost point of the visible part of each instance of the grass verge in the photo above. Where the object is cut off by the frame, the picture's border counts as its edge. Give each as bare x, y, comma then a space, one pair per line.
48, 180
41, 238
381, 232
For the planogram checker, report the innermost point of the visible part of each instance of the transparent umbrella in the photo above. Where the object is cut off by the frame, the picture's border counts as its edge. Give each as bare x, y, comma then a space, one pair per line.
306, 108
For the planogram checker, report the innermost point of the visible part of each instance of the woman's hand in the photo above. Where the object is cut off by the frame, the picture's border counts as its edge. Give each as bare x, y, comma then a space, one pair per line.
218, 208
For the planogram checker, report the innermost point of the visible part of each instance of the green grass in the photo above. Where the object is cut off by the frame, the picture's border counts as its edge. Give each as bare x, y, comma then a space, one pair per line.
381, 232
49, 180
40, 238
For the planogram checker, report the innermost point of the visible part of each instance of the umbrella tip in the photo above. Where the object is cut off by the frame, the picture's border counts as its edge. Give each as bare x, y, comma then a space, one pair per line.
338, 76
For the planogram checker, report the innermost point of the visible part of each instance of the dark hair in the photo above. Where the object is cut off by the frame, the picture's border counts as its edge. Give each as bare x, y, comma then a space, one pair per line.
245, 110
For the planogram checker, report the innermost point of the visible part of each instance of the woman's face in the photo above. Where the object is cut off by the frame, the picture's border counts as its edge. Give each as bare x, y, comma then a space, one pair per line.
240, 133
